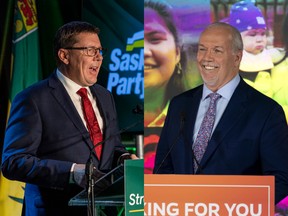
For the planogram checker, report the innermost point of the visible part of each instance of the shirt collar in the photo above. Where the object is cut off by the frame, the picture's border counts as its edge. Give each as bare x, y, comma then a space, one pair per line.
69, 84
226, 91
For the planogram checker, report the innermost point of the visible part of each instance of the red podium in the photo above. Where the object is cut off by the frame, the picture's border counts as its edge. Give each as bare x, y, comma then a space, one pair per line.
208, 195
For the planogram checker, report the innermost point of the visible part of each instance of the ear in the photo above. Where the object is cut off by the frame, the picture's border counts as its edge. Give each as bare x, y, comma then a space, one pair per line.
63, 55
238, 58
178, 54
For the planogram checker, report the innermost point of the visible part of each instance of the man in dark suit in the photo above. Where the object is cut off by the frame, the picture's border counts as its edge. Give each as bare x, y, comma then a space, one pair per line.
47, 143
250, 133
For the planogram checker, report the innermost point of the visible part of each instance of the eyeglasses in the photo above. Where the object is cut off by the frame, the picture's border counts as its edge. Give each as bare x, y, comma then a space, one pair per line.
90, 51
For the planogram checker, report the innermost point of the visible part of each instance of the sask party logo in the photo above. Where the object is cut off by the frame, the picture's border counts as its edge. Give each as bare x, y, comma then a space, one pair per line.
136, 41
126, 68
25, 19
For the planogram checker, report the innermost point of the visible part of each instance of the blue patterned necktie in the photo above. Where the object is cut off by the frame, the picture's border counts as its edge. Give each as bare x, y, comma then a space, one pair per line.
205, 130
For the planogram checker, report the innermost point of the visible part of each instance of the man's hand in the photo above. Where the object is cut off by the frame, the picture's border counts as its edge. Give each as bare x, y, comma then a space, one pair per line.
80, 177
134, 157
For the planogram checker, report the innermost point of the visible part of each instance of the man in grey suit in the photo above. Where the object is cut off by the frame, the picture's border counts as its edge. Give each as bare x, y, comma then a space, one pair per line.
47, 143
250, 133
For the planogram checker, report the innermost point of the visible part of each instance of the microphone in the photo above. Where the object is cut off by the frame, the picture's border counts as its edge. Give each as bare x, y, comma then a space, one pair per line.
182, 121
118, 133
138, 109
90, 166
109, 137
90, 160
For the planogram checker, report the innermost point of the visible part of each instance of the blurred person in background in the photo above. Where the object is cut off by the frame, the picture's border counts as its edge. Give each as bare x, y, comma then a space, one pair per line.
260, 64
162, 71
162, 65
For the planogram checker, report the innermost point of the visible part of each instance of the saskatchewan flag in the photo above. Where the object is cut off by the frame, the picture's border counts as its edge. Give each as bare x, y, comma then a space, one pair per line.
25, 70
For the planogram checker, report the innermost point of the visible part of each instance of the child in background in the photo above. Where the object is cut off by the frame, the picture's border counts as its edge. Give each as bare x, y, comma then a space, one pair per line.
259, 64
257, 60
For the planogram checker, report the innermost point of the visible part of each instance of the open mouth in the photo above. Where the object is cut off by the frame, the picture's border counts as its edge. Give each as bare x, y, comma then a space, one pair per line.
149, 67
209, 67
93, 68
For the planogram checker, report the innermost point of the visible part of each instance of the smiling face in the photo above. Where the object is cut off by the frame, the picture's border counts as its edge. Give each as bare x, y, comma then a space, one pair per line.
79, 67
160, 51
254, 40
217, 62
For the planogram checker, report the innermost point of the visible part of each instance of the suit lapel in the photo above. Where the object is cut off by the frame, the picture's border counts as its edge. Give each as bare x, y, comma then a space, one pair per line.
60, 94
100, 100
191, 114
232, 114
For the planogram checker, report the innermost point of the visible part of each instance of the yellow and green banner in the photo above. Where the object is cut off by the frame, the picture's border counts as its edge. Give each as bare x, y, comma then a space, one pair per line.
25, 70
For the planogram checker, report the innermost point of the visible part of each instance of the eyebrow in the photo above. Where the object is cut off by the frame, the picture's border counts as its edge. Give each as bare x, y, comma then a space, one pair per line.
221, 47
155, 32
213, 47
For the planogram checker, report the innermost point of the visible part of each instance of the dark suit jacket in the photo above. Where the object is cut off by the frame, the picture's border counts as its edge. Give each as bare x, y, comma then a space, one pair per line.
45, 136
251, 138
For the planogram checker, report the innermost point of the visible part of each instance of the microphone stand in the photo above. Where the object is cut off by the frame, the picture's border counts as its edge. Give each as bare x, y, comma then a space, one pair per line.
89, 170
182, 121
90, 189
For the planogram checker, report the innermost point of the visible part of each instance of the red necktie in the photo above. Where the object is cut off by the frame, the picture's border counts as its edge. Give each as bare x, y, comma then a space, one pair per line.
91, 121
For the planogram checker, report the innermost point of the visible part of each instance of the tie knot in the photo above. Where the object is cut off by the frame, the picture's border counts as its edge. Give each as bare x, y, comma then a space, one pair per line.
214, 96
82, 92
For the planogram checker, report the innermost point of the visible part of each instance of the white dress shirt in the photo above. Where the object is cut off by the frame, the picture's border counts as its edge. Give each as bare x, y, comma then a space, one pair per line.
72, 88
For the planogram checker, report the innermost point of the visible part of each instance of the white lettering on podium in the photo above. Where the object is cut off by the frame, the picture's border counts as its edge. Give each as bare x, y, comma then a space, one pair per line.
135, 199
162, 209
202, 209
243, 209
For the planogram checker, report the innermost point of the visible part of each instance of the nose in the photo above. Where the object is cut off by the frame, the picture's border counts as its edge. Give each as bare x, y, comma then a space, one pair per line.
207, 55
147, 49
98, 58
260, 37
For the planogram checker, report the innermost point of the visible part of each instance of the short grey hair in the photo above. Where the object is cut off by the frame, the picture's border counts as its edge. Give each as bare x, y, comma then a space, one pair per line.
237, 43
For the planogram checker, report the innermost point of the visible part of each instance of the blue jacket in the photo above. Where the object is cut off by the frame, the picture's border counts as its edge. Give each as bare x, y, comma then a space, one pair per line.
251, 138
45, 136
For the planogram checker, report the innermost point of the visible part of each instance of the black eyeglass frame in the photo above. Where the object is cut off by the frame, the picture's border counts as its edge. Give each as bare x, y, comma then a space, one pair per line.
97, 50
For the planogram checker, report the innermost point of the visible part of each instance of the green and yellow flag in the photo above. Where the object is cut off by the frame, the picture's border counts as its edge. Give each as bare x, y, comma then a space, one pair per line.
25, 70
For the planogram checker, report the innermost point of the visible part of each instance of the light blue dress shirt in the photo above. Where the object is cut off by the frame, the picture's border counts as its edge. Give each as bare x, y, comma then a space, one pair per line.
226, 93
